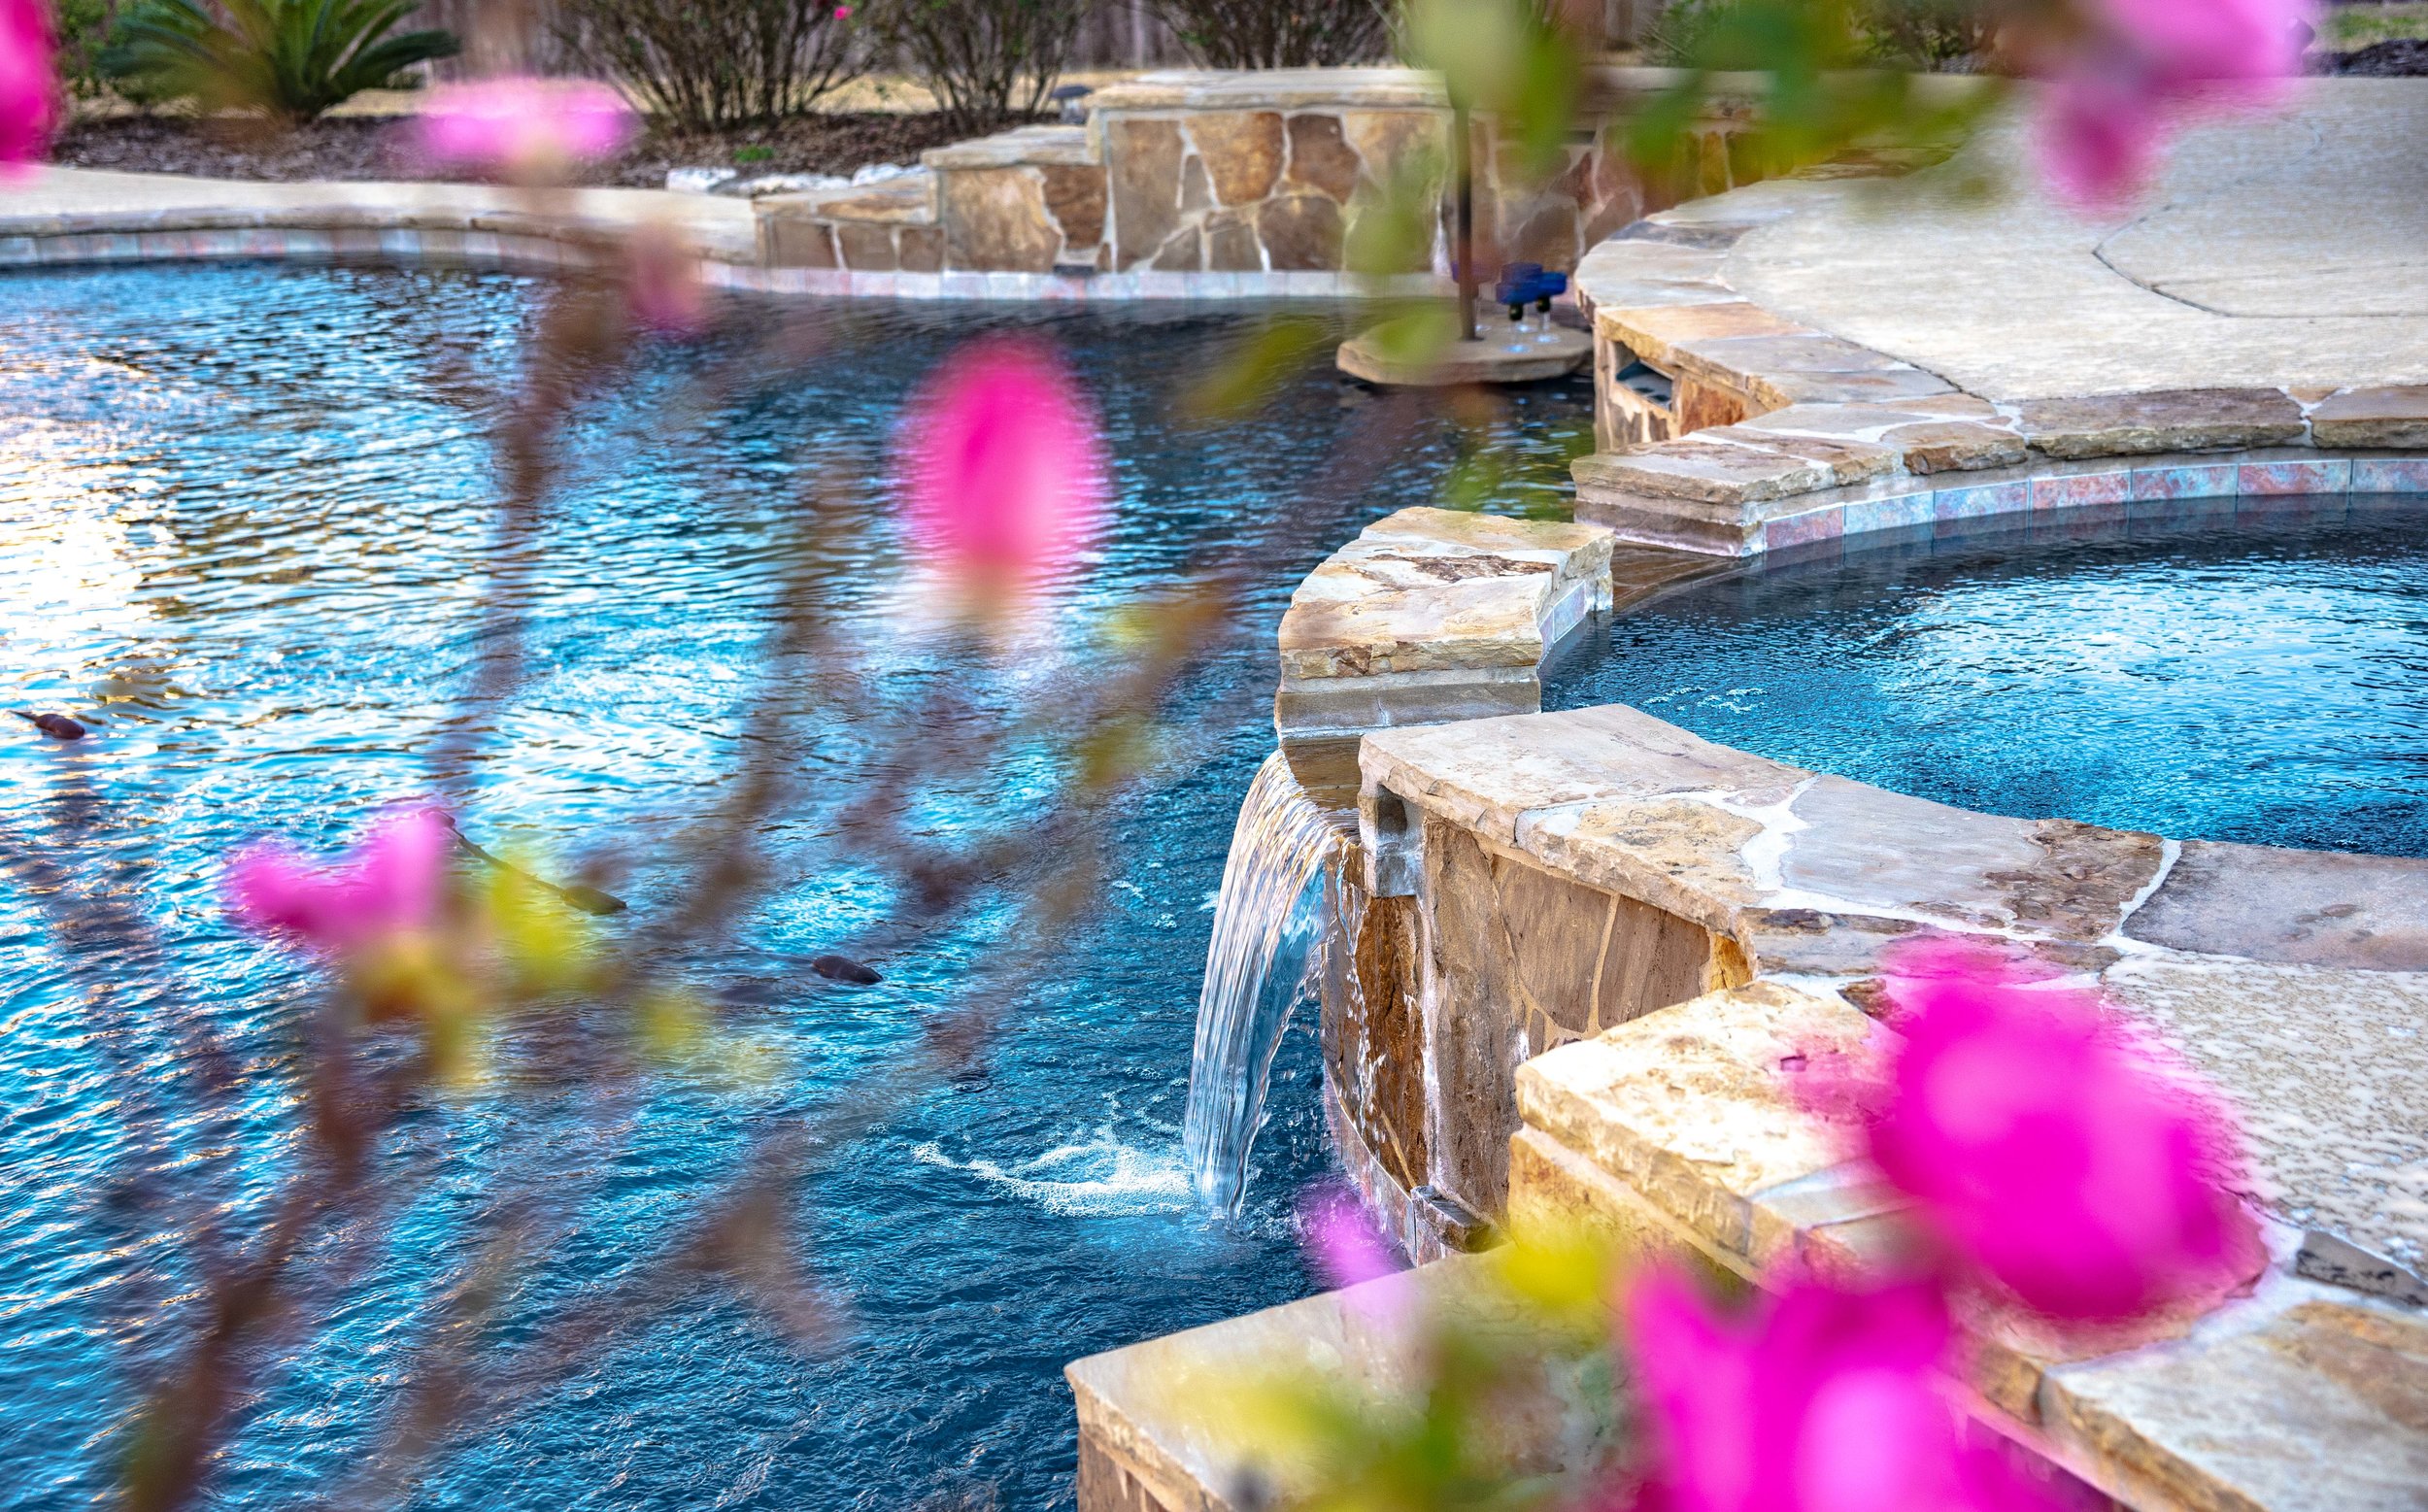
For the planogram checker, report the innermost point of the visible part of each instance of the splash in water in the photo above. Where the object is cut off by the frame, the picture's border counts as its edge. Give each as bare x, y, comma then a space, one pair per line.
1275, 909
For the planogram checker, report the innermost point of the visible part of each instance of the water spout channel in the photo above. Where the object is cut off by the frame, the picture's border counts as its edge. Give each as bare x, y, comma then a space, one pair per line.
1275, 910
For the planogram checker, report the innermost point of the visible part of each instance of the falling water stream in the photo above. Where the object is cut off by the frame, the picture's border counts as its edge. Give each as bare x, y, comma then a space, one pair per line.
1273, 913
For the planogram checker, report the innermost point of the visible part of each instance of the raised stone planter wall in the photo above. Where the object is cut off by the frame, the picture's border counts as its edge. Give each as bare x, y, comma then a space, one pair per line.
1209, 184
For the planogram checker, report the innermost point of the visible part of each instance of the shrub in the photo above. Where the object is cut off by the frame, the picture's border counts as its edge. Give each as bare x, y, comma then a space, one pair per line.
987, 61
716, 63
292, 58
84, 26
1277, 33
1929, 33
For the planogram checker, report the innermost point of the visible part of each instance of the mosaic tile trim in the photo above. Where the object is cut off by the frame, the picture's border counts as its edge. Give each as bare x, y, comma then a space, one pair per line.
2098, 492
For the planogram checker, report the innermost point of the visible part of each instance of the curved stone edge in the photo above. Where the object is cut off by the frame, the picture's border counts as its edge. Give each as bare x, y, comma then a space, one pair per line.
1428, 615
1778, 433
1672, 1132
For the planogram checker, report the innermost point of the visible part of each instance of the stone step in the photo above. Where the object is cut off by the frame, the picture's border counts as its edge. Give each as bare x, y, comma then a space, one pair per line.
1056, 146
889, 226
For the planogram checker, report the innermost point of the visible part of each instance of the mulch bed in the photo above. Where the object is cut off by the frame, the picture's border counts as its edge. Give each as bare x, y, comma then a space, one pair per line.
361, 148
2403, 58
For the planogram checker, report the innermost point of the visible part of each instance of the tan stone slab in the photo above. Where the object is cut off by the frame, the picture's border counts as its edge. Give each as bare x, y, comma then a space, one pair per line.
2322, 1407
1555, 1193
907, 200
1893, 387
1021, 147
1955, 445
2197, 420
1848, 461
1433, 589
1717, 531
1656, 332
1840, 1216
1274, 88
2395, 416
1484, 775
1690, 1106
1684, 857
1869, 850
1652, 293
2281, 248
1167, 1410
2296, 907
1702, 472
1812, 353
2328, 1072
1870, 421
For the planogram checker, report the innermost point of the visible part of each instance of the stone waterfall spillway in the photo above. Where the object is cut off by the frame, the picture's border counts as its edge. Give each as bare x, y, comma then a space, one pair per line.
1271, 920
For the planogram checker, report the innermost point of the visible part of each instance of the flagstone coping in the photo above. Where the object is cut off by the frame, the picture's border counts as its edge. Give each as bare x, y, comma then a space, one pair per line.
1679, 1133
1436, 614
1163, 1424
1839, 436
2299, 979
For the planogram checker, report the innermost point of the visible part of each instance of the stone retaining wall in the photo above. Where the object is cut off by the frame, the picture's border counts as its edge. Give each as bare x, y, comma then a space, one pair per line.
1203, 182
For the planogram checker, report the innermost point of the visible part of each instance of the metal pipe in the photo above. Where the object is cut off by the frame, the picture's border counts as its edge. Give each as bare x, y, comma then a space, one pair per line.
1463, 160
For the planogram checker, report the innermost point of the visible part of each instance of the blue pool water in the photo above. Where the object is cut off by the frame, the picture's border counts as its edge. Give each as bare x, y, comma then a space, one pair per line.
2256, 673
242, 512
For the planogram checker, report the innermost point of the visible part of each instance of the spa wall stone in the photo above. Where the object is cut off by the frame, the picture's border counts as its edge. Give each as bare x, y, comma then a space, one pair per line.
1519, 961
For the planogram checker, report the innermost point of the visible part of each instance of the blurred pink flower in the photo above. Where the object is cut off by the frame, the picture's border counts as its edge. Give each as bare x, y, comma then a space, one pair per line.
2054, 1147
2123, 78
1820, 1400
1003, 473
2194, 42
1341, 1241
2096, 142
663, 285
29, 91
388, 885
522, 129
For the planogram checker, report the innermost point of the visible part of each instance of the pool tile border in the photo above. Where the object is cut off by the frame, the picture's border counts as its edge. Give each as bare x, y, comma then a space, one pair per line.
537, 244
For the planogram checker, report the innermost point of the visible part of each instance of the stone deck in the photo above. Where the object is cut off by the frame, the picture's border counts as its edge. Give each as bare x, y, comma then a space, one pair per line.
1846, 355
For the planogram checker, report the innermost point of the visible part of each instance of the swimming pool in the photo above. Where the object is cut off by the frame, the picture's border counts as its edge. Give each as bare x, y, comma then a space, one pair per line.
2253, 671
243, 514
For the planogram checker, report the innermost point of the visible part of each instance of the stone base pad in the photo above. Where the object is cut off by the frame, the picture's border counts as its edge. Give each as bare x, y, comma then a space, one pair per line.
1522, 358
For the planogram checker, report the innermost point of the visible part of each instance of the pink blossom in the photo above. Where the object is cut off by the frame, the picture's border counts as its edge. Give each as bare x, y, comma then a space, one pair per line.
1819, 1400
29, 93
526, 130
663, 285
1003, 473
1342, 1241
2096, 142
2053, 1147
2191, 42
2122, 80
388, 885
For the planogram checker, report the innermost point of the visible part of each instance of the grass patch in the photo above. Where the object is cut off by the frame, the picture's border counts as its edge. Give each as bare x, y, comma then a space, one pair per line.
2348, 28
